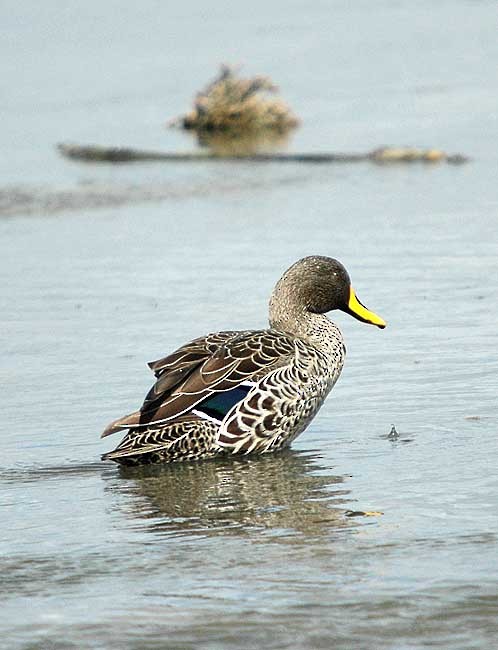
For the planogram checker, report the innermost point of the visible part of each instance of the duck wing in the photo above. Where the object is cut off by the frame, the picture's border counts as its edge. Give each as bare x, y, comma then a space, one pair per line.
243, 357
191, 353
170, 371
217, 363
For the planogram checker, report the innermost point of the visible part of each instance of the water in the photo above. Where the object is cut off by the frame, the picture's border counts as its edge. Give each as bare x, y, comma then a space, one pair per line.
104, 268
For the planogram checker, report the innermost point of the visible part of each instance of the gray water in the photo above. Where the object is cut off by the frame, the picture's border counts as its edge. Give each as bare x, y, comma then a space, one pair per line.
106, 267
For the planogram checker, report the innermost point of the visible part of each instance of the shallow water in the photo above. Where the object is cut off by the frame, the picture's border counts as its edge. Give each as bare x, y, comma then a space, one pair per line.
104, 268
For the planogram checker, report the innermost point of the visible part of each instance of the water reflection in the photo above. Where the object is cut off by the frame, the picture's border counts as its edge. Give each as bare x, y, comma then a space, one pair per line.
227, 144
282, 495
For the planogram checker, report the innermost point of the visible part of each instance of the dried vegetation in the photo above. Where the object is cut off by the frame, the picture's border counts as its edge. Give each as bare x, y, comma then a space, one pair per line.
238, 107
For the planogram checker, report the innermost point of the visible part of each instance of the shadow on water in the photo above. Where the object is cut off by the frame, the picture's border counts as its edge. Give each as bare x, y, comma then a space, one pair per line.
279, 496
36, 473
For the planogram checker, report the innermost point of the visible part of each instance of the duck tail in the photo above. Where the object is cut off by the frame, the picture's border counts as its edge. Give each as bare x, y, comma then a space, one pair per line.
125, 422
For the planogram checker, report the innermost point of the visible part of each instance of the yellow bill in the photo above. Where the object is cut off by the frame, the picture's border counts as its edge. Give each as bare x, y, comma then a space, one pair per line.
360, 312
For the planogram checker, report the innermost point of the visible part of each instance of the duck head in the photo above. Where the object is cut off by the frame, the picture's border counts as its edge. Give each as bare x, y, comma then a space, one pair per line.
317, 285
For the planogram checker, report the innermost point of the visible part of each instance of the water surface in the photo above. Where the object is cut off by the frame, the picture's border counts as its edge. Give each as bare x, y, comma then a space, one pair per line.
104, 268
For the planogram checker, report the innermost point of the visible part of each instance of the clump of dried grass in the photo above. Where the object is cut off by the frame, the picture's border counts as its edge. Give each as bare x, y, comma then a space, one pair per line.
238, 106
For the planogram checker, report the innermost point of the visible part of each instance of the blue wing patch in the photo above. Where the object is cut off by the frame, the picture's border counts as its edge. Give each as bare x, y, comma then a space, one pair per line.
218, 405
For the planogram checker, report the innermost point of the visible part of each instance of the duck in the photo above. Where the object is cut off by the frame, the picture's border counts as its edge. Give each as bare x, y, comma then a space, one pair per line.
250, 391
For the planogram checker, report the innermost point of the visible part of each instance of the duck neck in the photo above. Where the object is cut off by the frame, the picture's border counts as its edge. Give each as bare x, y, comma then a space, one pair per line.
288, 317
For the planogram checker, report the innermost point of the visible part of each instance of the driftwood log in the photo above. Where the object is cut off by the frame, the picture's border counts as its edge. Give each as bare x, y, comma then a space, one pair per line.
95, 153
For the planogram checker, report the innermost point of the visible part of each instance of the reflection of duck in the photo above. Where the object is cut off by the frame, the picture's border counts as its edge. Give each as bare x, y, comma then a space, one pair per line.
236, 496
251, 391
